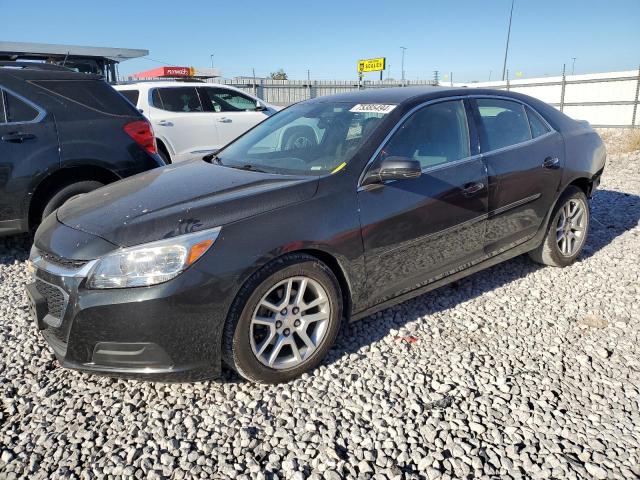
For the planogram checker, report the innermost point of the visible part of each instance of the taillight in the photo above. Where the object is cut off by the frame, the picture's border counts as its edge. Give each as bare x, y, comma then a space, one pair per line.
142, 133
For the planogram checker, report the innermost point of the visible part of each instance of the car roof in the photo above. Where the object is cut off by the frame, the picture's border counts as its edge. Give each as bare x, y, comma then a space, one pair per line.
398, 95
46, 74
168, 83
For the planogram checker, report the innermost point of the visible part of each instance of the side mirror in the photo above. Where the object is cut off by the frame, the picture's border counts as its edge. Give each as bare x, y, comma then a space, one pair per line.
260, 107
393, 168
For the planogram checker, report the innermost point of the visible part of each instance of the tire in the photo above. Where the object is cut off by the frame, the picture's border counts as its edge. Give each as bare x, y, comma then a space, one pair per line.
244, 338
164, 156
66, 193
553, 250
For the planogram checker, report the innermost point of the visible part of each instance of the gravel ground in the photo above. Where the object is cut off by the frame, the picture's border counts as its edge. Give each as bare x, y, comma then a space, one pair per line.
517, 371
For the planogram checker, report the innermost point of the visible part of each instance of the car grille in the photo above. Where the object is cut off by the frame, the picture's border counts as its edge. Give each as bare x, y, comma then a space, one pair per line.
63, 262
53, 296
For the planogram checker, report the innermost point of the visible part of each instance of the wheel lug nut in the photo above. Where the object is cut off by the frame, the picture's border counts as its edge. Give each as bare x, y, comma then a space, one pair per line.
296, 323
286, 332
284, 311
295, 310
278, 324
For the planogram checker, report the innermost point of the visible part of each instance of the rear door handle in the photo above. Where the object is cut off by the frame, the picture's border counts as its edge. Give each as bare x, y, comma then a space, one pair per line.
472, 188
165, 123
551, 162
224, 120
17, 137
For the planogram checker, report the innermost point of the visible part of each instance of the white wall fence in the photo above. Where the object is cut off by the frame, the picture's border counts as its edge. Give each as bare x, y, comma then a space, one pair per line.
286, 92
603, 99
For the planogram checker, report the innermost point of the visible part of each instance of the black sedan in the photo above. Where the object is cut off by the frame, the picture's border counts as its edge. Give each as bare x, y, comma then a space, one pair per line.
253, 257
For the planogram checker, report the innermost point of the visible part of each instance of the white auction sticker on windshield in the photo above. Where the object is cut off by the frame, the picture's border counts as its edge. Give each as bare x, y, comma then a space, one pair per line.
372, 108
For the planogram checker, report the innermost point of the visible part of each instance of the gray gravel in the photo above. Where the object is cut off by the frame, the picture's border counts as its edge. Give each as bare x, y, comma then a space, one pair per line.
518, 371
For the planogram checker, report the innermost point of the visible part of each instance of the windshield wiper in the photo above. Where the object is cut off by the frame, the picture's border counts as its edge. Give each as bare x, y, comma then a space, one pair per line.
248, 167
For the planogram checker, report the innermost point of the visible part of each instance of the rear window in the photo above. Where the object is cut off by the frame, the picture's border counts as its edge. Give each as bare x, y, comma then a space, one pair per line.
131, 95
94, 94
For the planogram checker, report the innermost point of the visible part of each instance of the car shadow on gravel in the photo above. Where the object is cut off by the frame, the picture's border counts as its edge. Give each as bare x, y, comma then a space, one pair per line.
612, 214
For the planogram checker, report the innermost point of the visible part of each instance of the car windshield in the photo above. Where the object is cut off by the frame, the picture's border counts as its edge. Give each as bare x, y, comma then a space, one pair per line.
305, 139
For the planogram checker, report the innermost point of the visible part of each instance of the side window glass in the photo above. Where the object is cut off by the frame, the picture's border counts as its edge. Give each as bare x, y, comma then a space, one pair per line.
504, 122
538, 127
179, 99
434, 135
223, 100
17, 110
156, 101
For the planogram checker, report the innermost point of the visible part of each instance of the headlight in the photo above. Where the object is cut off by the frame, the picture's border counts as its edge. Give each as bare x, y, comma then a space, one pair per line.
151, 263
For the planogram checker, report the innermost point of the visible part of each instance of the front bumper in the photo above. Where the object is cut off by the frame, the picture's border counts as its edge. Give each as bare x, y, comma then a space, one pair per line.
166, 332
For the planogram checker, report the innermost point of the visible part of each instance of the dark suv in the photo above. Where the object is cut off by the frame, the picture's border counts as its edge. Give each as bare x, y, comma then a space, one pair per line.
63, 133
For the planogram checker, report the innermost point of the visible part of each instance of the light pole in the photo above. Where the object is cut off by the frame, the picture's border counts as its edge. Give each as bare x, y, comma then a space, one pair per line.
211, 60
506, 48
573, 65
403, 49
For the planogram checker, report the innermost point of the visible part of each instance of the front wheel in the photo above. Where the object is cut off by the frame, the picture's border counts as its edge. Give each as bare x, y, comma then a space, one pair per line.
567, 231
284, 320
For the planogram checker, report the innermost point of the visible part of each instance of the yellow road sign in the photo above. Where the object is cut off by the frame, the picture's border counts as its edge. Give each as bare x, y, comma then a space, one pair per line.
371, 64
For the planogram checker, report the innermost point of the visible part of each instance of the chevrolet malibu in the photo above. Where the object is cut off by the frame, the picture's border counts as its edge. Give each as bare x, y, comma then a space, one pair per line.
253, 257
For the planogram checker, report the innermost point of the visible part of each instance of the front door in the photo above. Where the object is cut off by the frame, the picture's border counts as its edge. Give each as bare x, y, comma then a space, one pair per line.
417, 230
233, 112
524, 157
28, 148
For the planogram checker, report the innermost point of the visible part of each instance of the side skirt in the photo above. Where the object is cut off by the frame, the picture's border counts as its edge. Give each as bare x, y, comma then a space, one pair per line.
490, 262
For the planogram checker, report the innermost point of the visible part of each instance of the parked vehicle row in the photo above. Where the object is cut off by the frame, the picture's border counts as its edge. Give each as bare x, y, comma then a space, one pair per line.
63, 133
191, 119
255, 255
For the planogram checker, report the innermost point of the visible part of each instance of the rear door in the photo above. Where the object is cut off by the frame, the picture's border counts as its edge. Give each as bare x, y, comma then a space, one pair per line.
234, 113
179, 119
28, 148
417, 230
524, 156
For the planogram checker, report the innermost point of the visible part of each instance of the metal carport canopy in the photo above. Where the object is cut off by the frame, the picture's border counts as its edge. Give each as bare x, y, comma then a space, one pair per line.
44, 49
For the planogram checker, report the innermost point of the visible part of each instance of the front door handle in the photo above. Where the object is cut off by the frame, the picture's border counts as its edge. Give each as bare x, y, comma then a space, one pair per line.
17, 137
551, 162
224, 120
472, 188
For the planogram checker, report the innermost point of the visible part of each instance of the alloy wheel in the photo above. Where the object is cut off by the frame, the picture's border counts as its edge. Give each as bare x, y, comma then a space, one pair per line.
571, 227
290, 322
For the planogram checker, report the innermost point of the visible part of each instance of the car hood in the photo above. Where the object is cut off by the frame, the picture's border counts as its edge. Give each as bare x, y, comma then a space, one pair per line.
178, 199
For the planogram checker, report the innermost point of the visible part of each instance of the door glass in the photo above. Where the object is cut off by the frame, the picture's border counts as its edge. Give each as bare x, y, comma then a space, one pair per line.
434, 135
18, 110
178, 99
537, 125
504, 123
223, 100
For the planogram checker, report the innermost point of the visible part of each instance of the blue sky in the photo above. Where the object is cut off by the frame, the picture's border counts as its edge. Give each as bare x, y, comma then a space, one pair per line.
465, 37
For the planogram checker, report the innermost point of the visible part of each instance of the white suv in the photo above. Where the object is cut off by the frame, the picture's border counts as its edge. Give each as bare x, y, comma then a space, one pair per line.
191, 119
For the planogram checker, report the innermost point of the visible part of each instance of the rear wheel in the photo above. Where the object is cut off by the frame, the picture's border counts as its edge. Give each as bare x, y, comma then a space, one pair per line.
66, 193
567, 231
284, 320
